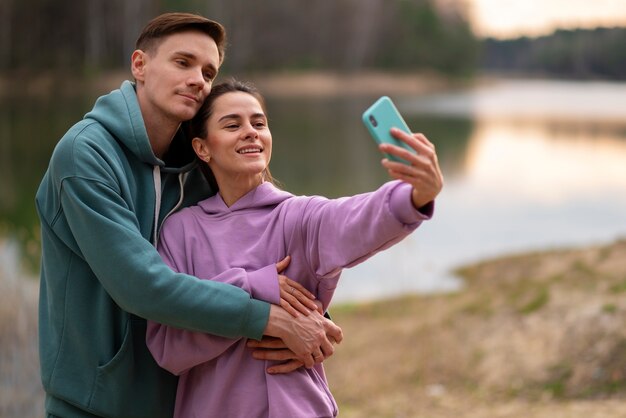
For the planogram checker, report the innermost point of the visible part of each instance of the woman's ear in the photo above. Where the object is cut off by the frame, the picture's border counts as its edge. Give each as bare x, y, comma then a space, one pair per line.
201, 149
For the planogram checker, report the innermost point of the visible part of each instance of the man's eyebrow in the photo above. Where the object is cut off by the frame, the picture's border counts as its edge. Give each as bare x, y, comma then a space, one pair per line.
186, 54
191, 55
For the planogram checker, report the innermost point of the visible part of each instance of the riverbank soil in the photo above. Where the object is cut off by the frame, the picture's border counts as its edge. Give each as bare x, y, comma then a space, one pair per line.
534, 335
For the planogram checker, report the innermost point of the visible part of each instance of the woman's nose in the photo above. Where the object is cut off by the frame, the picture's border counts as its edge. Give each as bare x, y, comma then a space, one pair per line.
250, 132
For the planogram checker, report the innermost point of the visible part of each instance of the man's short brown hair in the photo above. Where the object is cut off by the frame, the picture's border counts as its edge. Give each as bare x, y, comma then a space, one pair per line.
170, 23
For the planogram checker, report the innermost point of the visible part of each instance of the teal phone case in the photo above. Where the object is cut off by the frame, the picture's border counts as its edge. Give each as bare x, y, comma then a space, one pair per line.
379, 118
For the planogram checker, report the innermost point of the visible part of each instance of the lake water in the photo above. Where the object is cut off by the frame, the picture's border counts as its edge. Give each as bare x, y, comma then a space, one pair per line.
529, 165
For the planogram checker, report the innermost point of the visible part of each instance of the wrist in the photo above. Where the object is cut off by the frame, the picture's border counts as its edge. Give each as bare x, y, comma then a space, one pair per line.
276, 323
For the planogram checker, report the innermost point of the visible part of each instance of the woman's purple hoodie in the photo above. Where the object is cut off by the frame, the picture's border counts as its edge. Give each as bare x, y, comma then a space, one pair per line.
218, 376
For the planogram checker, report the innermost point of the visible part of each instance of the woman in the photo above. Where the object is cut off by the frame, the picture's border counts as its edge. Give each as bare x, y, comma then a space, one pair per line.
251, 224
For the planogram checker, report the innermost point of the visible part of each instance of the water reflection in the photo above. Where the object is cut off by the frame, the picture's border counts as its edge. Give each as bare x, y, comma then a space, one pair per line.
545, 163
516, 178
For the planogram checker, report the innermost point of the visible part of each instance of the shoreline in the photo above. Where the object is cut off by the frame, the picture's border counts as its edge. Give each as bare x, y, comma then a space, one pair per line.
316, 83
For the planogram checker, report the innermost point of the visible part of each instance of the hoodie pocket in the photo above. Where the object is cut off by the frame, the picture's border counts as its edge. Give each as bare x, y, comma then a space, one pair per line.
131, 384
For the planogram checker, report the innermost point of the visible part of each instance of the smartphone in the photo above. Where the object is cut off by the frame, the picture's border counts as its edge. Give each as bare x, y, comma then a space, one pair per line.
379, 118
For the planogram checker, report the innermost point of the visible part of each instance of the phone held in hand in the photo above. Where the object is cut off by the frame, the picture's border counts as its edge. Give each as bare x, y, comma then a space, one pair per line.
379, 118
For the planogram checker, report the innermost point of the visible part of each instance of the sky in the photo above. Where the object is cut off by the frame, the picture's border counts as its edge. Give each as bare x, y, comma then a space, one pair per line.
514, 18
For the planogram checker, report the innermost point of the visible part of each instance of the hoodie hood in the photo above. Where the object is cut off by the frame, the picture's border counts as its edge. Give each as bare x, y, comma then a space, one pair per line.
266, 194
120, 114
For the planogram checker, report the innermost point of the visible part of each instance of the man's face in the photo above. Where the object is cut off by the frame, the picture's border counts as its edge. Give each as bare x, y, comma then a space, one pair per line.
174, 78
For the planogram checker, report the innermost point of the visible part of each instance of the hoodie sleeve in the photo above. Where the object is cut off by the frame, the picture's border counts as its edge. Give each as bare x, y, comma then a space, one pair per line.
178, 350
344, 232
105, 232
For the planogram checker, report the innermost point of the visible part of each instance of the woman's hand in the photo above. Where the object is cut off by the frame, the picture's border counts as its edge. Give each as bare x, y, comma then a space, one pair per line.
294, 297
422, 172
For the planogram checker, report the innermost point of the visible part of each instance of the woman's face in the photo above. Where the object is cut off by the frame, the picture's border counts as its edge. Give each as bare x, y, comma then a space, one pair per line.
239, 142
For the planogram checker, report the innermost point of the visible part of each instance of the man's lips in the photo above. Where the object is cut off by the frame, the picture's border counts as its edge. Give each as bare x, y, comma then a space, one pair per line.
190, 96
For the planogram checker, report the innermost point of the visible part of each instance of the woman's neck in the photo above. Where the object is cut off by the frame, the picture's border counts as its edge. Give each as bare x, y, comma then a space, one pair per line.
235, 188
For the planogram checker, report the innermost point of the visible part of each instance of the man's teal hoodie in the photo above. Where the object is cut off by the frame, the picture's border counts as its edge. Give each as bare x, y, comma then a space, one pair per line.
101, 276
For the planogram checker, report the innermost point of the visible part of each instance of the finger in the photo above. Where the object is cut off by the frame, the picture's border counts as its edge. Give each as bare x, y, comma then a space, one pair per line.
320, 307
267, 342
298, 300
333, 332
417, 141
422, 138
308, 361
282, 264
276, 355
413, 139
400, 167
291, 309
296, 295
294, 305
413, 158
327, 350
288, 367
300, 288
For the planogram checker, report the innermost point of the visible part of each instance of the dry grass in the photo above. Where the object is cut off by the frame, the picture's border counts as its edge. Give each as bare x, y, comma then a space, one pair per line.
536, 335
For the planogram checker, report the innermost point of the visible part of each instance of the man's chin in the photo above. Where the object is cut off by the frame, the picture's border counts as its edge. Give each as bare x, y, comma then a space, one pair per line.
187, 114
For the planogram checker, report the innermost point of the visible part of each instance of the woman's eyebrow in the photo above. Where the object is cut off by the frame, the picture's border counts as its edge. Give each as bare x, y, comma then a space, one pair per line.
237, 116
230, 116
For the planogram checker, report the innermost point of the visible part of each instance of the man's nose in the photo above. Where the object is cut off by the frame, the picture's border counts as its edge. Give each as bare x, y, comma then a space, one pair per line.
196, 78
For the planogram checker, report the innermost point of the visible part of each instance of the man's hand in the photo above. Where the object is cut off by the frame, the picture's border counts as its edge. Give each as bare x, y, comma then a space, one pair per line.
310, 338
270, 348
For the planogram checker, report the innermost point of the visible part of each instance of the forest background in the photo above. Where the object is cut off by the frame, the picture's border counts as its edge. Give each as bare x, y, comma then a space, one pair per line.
86, 38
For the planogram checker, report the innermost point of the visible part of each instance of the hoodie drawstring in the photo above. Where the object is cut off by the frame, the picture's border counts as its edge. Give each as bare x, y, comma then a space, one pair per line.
181, 184
156, 175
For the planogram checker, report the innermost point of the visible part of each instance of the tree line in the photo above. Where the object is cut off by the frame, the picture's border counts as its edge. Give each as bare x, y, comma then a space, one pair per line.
578, 54
82, 36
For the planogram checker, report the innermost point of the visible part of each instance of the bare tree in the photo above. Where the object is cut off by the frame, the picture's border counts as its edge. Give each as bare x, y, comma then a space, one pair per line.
364, 26
6, 31
95, 34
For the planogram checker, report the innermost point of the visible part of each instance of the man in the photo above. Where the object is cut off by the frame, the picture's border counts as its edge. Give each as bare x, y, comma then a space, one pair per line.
111, 181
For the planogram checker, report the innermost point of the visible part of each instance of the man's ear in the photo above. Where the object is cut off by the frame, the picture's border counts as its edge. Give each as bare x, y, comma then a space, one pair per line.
138, 64
201, 149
